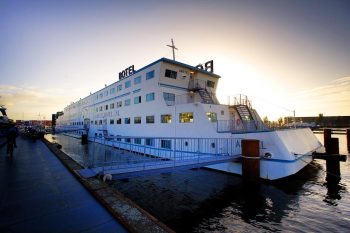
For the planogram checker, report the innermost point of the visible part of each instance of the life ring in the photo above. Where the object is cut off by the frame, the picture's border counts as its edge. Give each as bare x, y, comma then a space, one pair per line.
238, 122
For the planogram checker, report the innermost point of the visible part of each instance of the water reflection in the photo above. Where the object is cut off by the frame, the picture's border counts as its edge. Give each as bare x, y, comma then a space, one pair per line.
202, 200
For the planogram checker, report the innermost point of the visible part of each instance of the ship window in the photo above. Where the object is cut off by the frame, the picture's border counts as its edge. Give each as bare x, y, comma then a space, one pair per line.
165, 143
119, 104
127, 120
137, 80
97, 109
128, 84
210, 83
92, 122
150, 97
111, 122
170, 74
107, 107
101, 95
100, 108
150, 75
119, 87
100, 122
112, 90
169, 98
222, 112
150, 119
112, 106
165, 118
137, 140
212, 116
137, 100
119, 121
186, 117
149, 142
128, 140
127, 102
137, 120
95, 122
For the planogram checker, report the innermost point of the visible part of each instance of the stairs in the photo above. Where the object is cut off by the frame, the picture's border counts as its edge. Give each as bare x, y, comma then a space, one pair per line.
206, 97
244, 112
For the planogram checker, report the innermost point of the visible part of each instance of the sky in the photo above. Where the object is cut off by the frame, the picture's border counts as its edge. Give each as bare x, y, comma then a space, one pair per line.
284, 55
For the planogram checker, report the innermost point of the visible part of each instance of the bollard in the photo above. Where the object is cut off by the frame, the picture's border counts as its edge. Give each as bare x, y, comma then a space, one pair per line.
327, 135
251, 160
84, 139
333, 164
348, 139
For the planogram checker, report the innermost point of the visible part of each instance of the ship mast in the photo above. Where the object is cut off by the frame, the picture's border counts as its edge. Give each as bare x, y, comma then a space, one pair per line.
173, 48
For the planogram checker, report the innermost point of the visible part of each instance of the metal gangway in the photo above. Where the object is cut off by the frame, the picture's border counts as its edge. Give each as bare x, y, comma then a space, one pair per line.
126, 157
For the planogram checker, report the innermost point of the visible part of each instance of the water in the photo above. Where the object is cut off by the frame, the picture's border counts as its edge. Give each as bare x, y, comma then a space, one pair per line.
208, 201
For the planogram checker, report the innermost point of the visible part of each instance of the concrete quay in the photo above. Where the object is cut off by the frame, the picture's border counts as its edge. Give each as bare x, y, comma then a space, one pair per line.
38, 194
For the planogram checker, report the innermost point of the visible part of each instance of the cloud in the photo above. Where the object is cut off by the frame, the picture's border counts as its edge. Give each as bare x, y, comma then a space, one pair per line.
331, 99
29, 102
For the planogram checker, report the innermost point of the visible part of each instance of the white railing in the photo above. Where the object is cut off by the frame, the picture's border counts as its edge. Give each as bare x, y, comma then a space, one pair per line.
136, 150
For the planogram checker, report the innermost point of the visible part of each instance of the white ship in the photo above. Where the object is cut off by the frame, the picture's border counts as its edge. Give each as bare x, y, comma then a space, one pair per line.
167, 101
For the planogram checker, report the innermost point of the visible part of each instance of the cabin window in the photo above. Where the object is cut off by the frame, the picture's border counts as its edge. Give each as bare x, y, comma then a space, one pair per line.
212, 116
127, 102
166, 118
170, 74
119, 87
95, 122
186, 117
106, 107
137, 120
169, 98
150, 97
92, 122
137, 99
111, 106
149, 142
112, 90
150, 119
150, 75
137, 140
137, 80
165, 143
210, 84
100, 108
111, 121
97, 109
127, 120
128, 140
222, 112
119, 104
128, 84
119, 121
100, 122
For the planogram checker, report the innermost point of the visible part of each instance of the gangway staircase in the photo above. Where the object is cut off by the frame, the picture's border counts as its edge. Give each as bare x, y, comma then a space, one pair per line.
123, 171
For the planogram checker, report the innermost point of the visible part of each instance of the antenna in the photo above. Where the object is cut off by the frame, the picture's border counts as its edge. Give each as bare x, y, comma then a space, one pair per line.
173, 48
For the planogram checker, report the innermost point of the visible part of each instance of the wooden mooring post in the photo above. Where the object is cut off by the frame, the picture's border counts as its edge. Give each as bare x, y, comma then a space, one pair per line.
348, 139
251, 160
84, 139
331, 156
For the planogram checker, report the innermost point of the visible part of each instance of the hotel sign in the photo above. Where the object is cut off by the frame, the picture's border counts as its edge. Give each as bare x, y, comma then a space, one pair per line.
127, 72
208, 66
